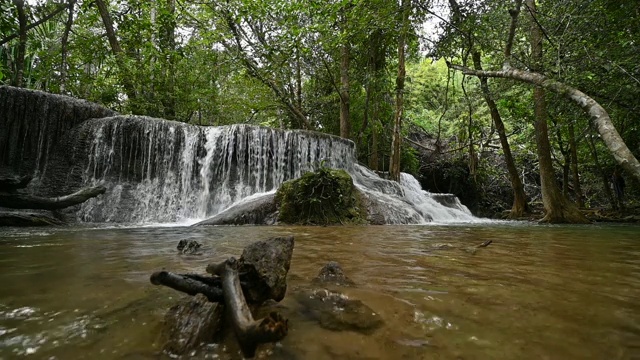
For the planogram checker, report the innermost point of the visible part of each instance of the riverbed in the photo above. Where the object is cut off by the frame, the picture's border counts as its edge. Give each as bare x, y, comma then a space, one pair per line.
537, 292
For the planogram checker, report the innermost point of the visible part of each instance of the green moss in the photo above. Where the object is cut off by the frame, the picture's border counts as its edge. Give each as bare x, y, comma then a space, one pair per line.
323, 197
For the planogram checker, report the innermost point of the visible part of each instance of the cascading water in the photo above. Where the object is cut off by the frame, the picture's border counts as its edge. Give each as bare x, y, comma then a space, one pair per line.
160, 171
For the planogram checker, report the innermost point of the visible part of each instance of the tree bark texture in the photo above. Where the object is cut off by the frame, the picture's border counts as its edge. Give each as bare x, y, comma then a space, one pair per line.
577, 190
22, 201
33, 122
520, 206
22, 43
116, 49
345, 121
558, 208
396, 141
250, 332
63, 47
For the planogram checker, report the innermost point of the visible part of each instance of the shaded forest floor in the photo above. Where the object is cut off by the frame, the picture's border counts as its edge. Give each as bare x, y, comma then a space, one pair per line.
630, 214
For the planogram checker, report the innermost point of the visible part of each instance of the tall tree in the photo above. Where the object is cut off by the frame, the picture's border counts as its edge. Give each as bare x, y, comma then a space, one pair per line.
22, 42
396, 142
558, 208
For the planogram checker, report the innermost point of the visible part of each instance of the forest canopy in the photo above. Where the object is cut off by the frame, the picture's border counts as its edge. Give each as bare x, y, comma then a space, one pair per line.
416, 84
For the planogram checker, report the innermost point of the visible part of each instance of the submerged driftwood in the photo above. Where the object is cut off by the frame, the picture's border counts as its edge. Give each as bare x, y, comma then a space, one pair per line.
259, 275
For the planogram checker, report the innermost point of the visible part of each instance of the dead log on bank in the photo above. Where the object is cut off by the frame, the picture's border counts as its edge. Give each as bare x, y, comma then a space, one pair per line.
259, 275
24, 201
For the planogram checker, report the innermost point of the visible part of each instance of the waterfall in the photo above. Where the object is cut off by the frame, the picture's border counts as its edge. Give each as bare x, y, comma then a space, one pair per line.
159, 171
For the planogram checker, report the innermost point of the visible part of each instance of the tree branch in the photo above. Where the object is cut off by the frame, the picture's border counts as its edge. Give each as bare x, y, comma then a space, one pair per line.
57, 11
598, 115
512, 32
250, 333
21, 201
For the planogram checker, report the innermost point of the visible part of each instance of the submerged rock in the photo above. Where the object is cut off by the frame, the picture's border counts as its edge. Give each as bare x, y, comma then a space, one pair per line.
337, 312
191, 247
332, 273
190, 323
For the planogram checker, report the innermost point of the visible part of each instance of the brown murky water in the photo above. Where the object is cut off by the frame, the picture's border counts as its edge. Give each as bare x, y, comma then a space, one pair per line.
536, 293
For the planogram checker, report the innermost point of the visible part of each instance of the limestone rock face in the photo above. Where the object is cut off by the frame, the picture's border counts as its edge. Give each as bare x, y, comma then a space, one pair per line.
33, 122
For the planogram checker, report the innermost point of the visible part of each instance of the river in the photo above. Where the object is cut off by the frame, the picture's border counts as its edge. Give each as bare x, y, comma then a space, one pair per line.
537, 292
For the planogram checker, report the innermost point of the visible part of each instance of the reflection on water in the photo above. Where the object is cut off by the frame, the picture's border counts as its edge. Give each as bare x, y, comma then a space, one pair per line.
536, 293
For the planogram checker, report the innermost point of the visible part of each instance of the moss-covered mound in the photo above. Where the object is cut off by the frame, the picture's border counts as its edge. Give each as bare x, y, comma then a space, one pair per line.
324, 197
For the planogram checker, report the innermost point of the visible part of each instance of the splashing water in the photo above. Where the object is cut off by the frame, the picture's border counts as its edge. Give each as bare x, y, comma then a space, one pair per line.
160, 171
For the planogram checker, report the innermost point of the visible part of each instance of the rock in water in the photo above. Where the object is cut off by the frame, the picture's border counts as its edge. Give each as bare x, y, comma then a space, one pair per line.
190, 323
335, 311
265, 265
189, 246
332, 273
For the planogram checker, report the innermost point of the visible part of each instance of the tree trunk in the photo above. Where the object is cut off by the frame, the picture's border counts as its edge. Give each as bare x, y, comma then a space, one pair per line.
558, 208
373, 158
168, 48
345, 121
599, 116
603, 176
394, 165
63, 47
520, 206
22, 44
116, 49
577, 190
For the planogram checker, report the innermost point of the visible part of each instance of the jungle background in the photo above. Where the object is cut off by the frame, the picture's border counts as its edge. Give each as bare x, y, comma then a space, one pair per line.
377, 72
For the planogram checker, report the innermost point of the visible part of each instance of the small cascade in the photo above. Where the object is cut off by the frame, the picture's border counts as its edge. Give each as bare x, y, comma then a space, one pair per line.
429, 207
160, 171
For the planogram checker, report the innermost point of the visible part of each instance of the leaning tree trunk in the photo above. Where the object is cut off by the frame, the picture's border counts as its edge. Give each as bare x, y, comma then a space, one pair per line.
599, 116
520, 206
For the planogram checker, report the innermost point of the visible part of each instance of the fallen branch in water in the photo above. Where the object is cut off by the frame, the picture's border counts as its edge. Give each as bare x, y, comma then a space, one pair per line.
190, 284
250, 332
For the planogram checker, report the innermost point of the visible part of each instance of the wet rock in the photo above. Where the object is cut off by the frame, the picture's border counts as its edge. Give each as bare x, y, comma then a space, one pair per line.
191, 247
332, 273
323, 197
265, 265
190, 323
258, 211
337, 312
22, 218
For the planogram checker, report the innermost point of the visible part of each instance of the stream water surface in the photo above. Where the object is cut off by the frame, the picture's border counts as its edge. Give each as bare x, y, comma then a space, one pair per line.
537, 292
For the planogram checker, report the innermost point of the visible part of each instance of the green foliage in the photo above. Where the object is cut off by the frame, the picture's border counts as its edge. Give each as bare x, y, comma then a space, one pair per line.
324, 197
